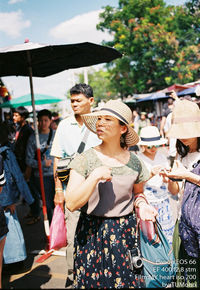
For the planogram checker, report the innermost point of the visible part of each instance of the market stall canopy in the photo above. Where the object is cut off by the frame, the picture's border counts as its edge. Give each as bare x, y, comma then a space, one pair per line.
25, 100
176, 87
190, 91
153, 97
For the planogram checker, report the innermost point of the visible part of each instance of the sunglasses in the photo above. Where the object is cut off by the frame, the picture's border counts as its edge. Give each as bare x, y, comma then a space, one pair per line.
156, 146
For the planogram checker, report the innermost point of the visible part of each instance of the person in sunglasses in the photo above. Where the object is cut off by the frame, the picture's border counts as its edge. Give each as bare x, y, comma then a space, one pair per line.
156, 188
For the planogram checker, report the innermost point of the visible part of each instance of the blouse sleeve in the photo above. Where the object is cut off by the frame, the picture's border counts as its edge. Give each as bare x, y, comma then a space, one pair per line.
79, 163
143, 172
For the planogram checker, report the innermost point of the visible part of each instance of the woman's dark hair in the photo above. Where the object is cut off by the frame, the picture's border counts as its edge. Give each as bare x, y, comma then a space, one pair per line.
183, 149
22, 111
123, 137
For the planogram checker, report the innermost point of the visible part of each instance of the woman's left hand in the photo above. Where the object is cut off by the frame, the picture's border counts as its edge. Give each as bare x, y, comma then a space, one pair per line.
147, 212
177, 171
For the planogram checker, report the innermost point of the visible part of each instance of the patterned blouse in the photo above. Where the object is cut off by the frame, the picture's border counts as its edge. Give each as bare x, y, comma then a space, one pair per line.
111, 198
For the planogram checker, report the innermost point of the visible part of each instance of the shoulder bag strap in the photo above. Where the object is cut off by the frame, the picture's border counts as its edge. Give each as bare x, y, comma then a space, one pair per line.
48, 142
82, 144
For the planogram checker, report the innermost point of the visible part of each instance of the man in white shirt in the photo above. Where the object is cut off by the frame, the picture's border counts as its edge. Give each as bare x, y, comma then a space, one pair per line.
68, 137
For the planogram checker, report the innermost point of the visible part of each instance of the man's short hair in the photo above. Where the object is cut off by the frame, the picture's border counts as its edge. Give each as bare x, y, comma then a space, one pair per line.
23, 112
84, 89
44, 112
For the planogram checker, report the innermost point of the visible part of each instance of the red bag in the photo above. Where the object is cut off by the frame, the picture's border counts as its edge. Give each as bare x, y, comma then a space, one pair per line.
58, 231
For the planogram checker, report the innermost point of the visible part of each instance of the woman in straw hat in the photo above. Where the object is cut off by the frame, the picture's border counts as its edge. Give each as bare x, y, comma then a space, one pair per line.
156, 188
186, 128
104, 183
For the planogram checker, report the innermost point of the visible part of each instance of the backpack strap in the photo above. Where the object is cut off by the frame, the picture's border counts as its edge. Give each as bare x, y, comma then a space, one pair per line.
48, 142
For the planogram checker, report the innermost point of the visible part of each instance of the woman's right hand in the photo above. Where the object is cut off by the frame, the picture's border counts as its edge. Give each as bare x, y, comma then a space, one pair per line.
147, 212
11, 208
102, 173
59, 198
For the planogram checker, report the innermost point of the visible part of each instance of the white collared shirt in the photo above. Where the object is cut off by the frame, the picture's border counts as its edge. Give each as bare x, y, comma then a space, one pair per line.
68, 137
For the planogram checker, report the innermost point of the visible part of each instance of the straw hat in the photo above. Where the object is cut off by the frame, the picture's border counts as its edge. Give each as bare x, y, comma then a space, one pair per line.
118, 110
150, 136
185, 120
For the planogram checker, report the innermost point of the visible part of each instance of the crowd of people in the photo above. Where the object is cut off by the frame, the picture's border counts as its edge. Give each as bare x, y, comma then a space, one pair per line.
121, 162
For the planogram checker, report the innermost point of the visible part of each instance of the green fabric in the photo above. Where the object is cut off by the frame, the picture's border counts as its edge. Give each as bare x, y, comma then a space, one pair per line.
87, 161
188, 269
176, 240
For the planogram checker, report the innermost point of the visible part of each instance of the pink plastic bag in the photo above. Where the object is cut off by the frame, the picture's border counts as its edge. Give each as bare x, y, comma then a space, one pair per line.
58, 231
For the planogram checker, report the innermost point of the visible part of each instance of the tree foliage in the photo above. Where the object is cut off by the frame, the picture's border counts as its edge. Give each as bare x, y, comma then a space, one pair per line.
101, 84
160, 44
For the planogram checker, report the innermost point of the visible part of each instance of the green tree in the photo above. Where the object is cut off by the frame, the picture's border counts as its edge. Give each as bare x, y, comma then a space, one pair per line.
160, 44
101, 83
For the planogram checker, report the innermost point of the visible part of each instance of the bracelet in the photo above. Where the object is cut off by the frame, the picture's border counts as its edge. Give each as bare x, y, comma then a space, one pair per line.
139, 200
140, 197
58, 190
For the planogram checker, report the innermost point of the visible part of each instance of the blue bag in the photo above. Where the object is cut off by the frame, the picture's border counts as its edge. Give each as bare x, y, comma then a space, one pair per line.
189, 226
158, 260
14, 249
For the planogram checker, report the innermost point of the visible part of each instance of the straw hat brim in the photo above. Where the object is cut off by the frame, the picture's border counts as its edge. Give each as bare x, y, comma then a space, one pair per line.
90, 120
184, 130
162, 141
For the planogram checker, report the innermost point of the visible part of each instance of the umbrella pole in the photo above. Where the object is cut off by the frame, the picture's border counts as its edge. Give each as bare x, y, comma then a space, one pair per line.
44, 208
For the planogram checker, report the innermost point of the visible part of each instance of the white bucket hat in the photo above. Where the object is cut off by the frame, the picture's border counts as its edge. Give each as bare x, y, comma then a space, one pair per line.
118, 110
150, 136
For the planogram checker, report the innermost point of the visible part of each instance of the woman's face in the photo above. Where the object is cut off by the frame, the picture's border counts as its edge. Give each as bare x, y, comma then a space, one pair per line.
151, 150
189, 142
109, 128
17, 118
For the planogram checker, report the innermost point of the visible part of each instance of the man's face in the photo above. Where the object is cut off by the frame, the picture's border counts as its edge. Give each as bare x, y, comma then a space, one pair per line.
44, 123
81, 104
17, 118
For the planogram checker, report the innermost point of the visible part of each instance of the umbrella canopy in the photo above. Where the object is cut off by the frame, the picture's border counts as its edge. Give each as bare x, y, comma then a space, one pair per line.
47, 60
25, 100
153, 97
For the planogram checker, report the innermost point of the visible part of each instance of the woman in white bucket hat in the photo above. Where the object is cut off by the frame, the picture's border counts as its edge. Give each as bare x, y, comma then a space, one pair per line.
156, 188
104, 181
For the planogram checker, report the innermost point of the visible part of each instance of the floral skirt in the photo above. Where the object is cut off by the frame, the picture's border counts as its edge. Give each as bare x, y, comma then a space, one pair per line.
101, 256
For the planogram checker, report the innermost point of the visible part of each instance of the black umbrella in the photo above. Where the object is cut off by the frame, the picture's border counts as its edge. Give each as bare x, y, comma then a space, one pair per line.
46, 60
41, 60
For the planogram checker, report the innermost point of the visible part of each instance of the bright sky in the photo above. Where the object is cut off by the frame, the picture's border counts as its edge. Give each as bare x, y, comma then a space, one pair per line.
51, 22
